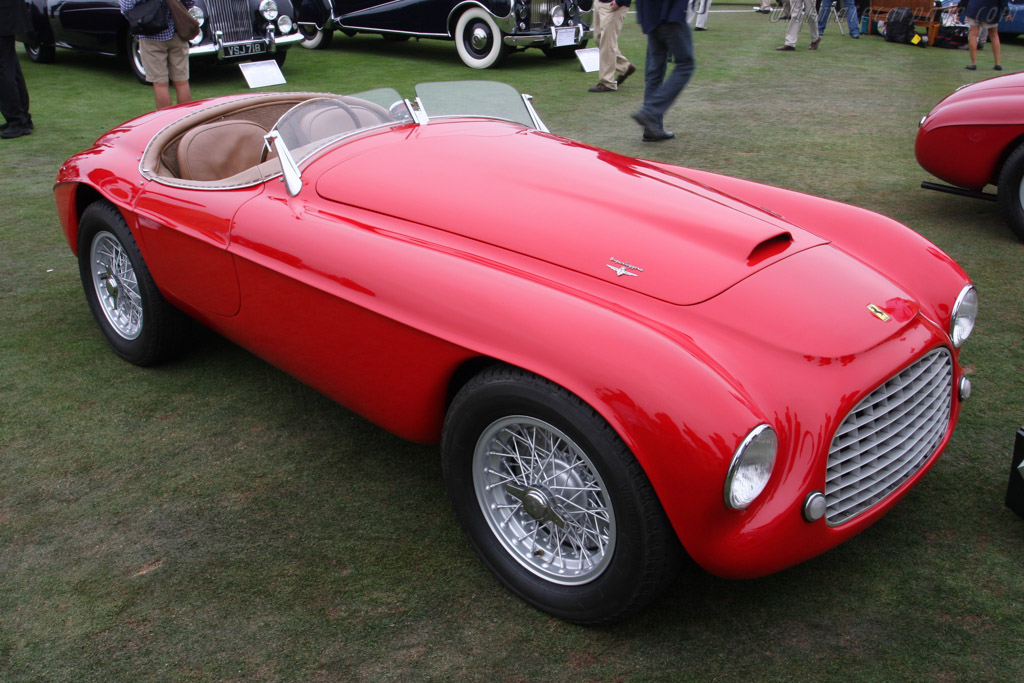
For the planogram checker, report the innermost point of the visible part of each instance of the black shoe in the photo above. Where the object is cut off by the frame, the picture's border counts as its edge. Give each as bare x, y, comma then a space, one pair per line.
971, 67
628, 72
699, 28
657, 135
998, 67
645, 120
600, 87
785, 48
15, 132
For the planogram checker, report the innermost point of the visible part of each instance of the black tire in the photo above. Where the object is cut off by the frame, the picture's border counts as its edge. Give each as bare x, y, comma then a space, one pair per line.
135, 319
314, 38
280, 56
478, 39
600, 546
1010, 191
40, 53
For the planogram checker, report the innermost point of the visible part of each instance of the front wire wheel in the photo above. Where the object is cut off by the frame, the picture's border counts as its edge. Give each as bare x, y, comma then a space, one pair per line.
544, 500
553, 501
136, 320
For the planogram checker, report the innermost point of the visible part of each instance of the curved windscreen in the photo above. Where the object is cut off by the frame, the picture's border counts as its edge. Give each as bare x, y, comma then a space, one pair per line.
310, 125
474, 98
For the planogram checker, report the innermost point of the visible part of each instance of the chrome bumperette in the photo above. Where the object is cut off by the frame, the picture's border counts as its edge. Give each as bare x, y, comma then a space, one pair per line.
889, 436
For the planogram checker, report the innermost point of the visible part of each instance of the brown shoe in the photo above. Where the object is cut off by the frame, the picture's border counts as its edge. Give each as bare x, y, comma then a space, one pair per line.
600, 87
785, 48
814, 44
628, 72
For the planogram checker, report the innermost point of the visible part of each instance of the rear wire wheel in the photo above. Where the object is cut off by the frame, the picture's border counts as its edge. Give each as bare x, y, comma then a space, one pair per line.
552, 501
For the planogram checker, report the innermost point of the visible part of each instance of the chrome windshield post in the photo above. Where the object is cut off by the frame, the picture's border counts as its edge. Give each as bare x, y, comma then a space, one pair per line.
537, 123
289, 169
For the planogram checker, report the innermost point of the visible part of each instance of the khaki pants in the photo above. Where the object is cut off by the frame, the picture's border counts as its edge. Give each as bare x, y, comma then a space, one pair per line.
607, 27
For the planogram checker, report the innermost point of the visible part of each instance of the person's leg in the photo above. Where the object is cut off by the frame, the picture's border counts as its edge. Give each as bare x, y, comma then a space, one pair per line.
972, 43
182, 91
852, 20
993, 37
162, 94
823, 15
13, 94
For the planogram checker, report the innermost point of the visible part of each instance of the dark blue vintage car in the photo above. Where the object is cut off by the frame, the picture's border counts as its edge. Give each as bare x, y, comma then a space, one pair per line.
232, 30
484, 31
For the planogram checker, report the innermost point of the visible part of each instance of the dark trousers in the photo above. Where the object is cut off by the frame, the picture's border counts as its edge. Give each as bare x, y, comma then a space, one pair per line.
661, 92
13, 93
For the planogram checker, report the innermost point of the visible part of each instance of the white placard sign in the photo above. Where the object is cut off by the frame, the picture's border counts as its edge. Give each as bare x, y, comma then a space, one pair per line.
590, 58
261, 74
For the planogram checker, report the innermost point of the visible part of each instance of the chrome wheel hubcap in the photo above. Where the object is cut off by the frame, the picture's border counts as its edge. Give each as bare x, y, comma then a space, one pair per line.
479, 38
544, 500
116, 286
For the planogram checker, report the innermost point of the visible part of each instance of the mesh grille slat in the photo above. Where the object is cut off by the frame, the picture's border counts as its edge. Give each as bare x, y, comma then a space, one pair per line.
233, 18
888, 436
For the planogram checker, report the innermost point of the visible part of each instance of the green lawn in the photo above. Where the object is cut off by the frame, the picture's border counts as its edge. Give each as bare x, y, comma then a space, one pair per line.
215, 520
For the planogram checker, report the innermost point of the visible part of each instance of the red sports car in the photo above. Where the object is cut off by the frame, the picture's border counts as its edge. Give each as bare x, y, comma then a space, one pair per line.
975, 137
690, 362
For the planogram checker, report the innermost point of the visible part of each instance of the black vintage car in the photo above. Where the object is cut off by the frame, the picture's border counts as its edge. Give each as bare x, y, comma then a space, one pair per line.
484, 31
231, 30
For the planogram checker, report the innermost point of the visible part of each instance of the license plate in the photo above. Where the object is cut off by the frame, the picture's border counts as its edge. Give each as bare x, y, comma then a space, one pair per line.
244, 49
566, 35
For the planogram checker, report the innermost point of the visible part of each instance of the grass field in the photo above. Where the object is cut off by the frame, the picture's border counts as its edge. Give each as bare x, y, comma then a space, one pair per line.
214, 520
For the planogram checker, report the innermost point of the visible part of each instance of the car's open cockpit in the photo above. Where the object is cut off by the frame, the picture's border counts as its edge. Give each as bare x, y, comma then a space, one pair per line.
249, 140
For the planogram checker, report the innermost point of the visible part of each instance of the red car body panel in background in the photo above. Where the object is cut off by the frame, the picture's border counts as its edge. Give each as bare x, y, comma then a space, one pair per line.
399, 262
966, 137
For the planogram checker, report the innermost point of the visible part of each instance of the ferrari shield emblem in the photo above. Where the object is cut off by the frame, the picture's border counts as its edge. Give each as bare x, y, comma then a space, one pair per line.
879, 313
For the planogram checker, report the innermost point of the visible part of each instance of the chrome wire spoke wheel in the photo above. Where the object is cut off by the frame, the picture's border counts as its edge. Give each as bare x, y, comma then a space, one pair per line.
117, 288
544, 500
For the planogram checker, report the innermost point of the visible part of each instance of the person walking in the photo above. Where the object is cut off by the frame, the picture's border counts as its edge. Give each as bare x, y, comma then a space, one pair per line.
801, 10
165, 59
664, 24
13, 91
698, 14
609, 15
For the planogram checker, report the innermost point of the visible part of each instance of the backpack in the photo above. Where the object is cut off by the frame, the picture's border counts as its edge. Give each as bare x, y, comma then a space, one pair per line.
899, 25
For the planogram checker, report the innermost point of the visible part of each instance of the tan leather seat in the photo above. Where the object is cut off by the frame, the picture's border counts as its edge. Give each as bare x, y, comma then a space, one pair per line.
221, 149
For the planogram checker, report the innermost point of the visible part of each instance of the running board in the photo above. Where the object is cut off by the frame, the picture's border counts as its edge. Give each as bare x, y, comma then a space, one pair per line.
975, 194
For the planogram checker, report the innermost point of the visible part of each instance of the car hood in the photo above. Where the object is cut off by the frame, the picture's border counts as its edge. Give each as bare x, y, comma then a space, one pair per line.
589, 210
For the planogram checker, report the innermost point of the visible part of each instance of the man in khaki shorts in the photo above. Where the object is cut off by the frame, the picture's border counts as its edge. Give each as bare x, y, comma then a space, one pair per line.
165, 59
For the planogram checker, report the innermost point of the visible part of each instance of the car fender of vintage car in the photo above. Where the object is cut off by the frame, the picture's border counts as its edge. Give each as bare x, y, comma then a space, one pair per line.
98, 26
691, 316
484, 30
984, 119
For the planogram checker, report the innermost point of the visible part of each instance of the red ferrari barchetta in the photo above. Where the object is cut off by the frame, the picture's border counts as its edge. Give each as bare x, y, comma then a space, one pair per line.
686, 362
974, 138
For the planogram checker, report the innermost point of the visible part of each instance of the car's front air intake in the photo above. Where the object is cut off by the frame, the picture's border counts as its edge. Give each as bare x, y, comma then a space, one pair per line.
888, 436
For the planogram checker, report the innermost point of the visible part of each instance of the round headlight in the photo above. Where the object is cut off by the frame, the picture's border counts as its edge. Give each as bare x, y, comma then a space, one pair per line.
751, 467
965, 310
558, 16
284, 24
197, 14
268, 8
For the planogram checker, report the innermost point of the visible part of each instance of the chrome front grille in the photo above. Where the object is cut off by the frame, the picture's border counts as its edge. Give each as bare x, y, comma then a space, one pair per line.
233, 19
888, 436
540, 13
